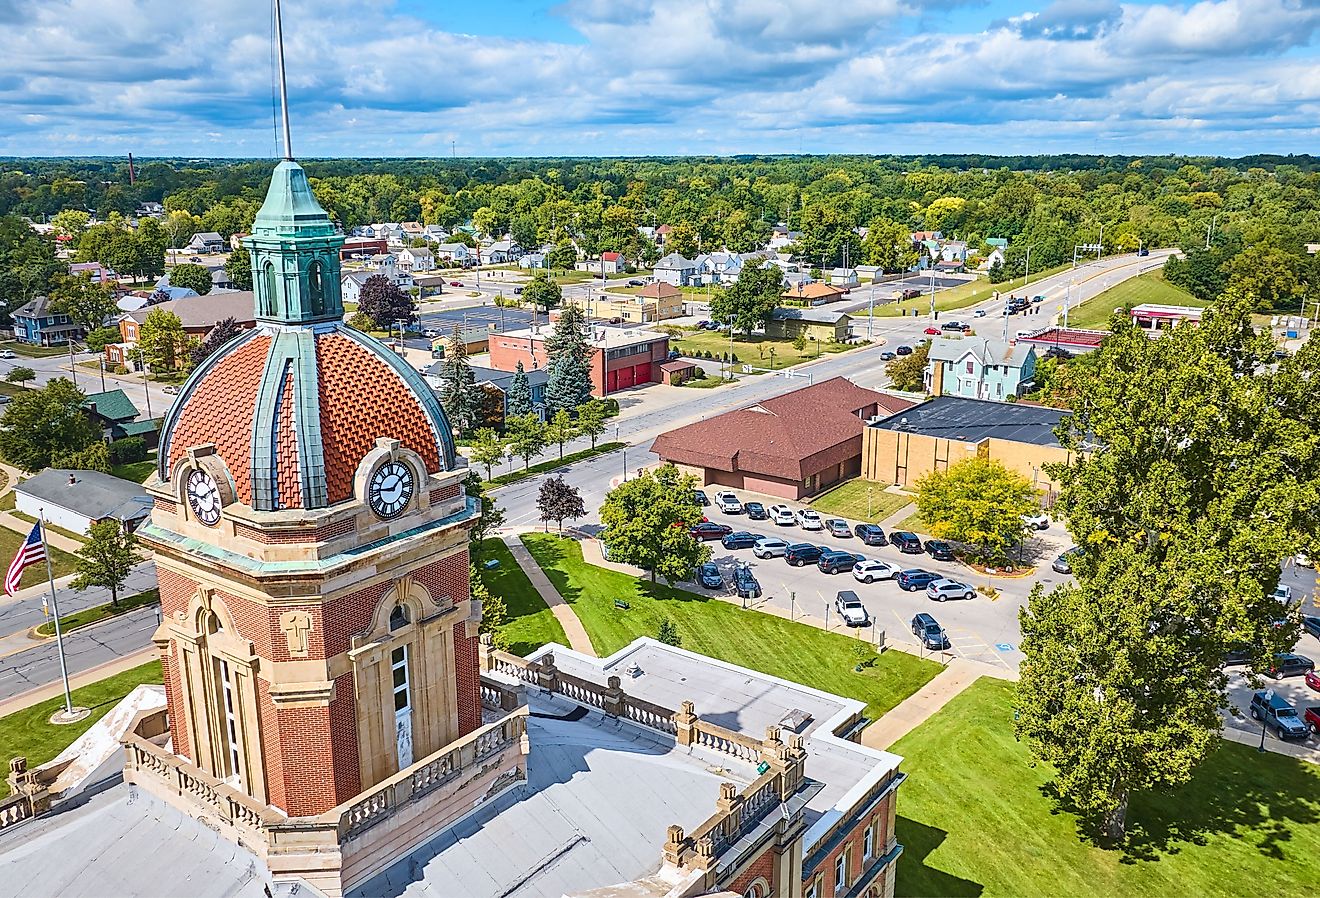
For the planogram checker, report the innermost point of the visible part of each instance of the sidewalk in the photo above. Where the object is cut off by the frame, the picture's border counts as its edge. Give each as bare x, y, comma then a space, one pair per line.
578, 640
917, 708
58, 540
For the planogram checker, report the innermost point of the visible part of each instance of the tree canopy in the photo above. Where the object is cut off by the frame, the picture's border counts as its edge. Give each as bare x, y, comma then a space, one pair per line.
194, 277
979, 502
40, 424
748, 303
646, 523
384, 303
559, 501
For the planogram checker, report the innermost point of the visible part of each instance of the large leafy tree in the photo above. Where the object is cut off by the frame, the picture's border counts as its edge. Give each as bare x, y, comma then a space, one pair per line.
569, 354
1197, 469
647, 520
106, 559
559, 501
749, 303
889, 245
86, 302
458, 391
165, 345
519, 400
908, 372
979, 502
562, 257
526, 436
218, 336
591, 418
384, 303
494, 610
194, 277
40, 424
542, 292
682, 239
487, 449
27, 264
239, 268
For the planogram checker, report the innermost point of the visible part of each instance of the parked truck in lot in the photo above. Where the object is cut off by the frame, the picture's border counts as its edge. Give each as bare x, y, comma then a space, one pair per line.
1311, 718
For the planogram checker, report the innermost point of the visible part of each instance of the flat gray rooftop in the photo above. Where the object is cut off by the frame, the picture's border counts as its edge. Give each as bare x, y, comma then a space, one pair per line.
973, 420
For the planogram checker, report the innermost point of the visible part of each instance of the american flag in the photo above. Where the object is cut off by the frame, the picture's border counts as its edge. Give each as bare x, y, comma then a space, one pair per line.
32, 551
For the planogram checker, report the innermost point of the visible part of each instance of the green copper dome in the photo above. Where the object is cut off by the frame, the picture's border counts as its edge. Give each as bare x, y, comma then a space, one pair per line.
291, 209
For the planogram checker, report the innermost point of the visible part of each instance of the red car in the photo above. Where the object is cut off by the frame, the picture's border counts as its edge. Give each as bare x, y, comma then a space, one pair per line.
455, 283
1313, 680
933, 331
708, 530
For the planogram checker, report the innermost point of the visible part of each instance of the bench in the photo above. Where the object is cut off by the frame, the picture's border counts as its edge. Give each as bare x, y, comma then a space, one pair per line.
621, 605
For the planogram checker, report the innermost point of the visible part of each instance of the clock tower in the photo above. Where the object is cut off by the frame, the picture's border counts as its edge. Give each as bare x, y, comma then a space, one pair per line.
310, 534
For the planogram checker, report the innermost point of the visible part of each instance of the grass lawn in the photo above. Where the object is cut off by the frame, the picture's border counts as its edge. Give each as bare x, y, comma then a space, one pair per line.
1150, 287
550, 465
860, 500
754, 350
914, 523
704, 383
974, 820
28, 733
8, 389
573, 277
61, 562
136, 471
531, 624
722, 630
8, 501
70, 622
960, 297
34, 352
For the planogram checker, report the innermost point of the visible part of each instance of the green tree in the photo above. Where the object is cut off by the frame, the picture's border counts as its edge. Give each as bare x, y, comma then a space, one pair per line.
95, 457
384, 303
218, 336
562, 258
908, 372
668, 633
560, 430
86, 302
800, 341
559, 501
749, 303
979, 502
106, 559
458, 386
1270, 277
487, 449
1184, 514
569, 355
71, 223
519, 400
98, 337
20, 375
647, 520
38, 424
489, 517
889, 245
194, 277
239, 268
542, 292
526, 436
165, 345
997, 273
494, 610
682, 239
591, 418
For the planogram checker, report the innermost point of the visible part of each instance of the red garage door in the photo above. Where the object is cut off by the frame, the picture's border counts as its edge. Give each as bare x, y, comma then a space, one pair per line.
612, 382
642, 373
625, 377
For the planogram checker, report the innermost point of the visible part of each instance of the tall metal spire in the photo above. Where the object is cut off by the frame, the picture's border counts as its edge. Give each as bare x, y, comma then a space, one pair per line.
284, 92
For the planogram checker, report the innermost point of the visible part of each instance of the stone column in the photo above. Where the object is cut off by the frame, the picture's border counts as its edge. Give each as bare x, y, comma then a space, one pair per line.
615, 698
686, 721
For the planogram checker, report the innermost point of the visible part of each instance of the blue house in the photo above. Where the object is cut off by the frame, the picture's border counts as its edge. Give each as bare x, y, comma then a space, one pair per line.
37, 323
979, 368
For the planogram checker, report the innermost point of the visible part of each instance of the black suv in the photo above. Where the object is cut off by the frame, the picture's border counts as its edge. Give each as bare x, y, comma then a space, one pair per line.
939, 550
833, 561
871, 534
745, 583
906, 541
799, 554
756, 511
929, 631
740, 540
1288, 664
701, 498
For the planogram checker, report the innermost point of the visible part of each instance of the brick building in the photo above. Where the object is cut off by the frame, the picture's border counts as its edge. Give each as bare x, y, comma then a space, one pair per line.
197, 314
620, 358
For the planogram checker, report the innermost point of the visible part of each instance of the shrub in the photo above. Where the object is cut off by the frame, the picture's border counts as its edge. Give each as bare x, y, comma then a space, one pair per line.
129, 449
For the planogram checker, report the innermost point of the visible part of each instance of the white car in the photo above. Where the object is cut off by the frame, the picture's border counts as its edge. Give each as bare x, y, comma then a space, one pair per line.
728, 503
7, 354
1038, 521
851, 609
782, 515
871, 570
769, 547
942, 590
1301, 559
1283, 593
810, 520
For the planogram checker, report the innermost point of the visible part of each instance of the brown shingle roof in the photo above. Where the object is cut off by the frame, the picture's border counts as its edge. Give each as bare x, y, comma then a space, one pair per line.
659, 290
790, 436
815, 290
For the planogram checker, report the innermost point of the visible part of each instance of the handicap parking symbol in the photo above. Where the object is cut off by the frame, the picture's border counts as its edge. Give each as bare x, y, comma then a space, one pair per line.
1003, 647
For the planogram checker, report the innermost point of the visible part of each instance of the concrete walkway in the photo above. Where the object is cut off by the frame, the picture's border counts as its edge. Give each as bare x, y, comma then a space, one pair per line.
578, 640
917, 708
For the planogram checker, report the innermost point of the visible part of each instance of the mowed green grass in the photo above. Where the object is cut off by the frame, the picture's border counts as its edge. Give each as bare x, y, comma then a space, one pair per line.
61, 562
974, 820
1096, 312
30, 734
860, 500
722, 630
531, 623
960, 297
753, 350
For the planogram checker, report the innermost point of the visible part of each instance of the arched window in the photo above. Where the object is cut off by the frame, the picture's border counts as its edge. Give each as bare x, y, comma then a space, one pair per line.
269, 294
758, 889
399, 617
315, 288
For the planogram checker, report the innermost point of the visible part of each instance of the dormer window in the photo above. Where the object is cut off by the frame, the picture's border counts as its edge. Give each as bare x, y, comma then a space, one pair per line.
399, 618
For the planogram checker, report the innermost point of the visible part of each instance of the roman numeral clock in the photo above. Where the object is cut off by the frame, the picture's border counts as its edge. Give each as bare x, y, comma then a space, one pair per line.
391, 489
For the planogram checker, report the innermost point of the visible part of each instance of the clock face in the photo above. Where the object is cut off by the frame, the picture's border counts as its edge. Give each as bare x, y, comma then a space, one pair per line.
391, 489
204, 497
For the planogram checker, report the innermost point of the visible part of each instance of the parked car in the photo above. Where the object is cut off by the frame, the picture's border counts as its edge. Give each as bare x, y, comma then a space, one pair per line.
701, 498
782, 515
943, 590
1311, 719
710, 576
1038, 521
851, 609
1274, 711
871, 534
906, 541
929, 631
838, 527
903, 350
1290, 664
728, 503
810, 520
709, 530
1313, 680
887, 355
517, 291
674, 354
832, 561
1311, 624
1283, 593
909, 293
1063, 564
7, 354
702, 324
740, 539
800, 554
745, 583
915, 578
171, 390
756, 511
769, 547
634, 282
932, 331
460, 283
939, 550
871, 570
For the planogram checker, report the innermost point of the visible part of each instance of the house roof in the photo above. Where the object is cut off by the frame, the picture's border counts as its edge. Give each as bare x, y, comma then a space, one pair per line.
790, 436
674, 260
659, 290
609, 257
974, 420
502, 379
678, 365
988, 351
817, 316
451, 247
205, 311
207, 237
92, 494
813, 290
113, 405
37, 307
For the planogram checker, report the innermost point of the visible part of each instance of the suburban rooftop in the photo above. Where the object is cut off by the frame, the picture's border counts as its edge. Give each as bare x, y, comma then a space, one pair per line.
974, 420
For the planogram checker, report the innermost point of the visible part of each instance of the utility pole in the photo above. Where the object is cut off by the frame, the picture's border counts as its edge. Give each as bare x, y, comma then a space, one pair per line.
72, 369
1210, 229
142, 366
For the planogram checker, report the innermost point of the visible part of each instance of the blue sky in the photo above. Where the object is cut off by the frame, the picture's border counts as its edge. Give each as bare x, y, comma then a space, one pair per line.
633, 77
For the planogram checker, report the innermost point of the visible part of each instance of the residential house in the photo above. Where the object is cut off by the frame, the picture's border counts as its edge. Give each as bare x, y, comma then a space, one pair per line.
954, 251
36, 322
411, 260
718, 268
75, 500
782, 237
206, 242
412, 230
220, 279
611, 263
662, 234
197, 314
116, 417
979, 368
351, 282
676, 270
845, 277
497, 380
98, 273
149, 210
458, 253
811, 293
532, 260
995, 255
236, 242
790, 446
434, 234
814, 324
926, 236
950, 266
501, 252
1000, 243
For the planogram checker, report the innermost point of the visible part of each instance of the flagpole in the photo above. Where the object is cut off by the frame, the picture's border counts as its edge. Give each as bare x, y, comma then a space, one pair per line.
55, 609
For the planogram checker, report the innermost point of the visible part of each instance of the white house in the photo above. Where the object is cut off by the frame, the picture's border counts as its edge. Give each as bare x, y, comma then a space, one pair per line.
206, 242
954, 251
996, 255
844, 277
458, 253
351, 281
718, 268
75, 500
677, 270
501, 252
532, 260
411, 259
